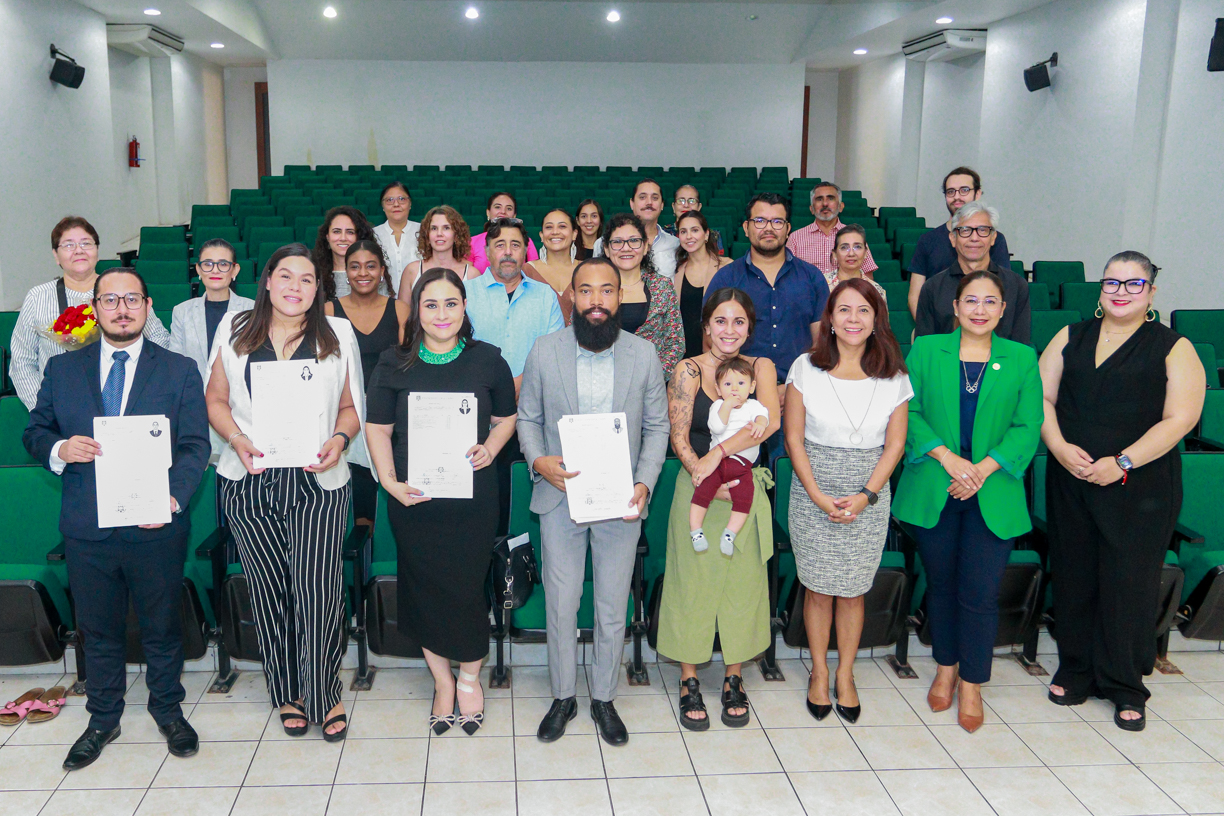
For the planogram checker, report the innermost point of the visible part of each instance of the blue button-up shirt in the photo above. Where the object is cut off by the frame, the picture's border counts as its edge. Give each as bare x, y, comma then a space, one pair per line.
596, 376
785, 311
512, 323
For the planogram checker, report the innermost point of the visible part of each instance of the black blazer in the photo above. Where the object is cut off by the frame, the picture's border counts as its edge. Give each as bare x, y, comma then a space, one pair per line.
71, 396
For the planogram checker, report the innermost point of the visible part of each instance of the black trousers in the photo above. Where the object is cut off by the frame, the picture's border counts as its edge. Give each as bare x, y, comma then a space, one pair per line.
365, 492
510, 454
101, 575
1107, 547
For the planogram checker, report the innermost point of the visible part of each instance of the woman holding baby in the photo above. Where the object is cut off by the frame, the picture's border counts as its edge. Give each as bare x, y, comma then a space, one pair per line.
717, 589
846, 421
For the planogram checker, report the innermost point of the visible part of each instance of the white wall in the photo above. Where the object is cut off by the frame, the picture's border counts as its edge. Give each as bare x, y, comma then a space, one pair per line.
240, 139
869, 102
951, 115
822, 124
132, 115
535, 113
1189, 207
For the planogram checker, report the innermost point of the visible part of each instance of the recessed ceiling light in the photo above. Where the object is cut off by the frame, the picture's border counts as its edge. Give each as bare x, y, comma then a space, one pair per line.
152, 12
329, 12
472, 13
752, 17
218, 45
613, 16
943, 21
860, 51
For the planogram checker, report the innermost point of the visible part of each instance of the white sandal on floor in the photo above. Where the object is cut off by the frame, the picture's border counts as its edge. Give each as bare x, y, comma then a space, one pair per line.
470, 723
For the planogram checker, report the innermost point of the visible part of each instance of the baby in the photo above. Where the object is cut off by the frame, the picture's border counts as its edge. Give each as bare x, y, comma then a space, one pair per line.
733, 411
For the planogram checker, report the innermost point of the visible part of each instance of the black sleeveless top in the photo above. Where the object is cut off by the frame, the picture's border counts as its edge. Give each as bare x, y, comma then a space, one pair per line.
384, 336
633, 315
1103, 410
690, 316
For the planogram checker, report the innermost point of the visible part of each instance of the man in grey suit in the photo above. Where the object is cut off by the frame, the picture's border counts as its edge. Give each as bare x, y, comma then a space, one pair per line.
592, 367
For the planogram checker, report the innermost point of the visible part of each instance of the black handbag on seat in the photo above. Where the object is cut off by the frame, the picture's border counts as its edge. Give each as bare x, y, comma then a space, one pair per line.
513, 573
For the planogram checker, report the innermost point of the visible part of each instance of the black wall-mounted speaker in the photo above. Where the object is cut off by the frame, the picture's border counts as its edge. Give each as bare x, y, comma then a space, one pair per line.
1215, 57
1037, 77
65, 71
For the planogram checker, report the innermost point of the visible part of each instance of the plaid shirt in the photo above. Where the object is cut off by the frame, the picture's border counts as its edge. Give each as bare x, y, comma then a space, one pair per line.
813, 246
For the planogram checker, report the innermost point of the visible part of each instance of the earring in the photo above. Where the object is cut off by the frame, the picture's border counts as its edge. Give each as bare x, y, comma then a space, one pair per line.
1151, 315
1098, 311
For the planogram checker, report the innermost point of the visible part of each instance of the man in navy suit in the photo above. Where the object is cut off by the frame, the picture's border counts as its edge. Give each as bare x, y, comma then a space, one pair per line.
122, 375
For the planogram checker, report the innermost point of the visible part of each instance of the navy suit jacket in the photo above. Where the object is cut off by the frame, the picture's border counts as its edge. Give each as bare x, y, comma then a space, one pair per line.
69, 399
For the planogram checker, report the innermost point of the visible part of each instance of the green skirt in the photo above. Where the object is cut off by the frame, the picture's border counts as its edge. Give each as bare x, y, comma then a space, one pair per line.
708, 592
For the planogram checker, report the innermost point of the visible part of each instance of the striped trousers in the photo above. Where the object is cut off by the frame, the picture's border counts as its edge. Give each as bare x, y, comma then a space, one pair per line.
290, 532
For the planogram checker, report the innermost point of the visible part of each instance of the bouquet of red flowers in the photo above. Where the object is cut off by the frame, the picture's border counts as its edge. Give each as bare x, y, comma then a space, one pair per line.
76, 327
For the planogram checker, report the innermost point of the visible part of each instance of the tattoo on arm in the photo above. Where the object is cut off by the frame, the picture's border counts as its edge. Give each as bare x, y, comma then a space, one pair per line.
681, 393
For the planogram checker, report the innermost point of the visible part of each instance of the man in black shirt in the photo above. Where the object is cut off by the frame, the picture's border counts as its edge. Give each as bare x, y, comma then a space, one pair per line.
973, 231
934, 251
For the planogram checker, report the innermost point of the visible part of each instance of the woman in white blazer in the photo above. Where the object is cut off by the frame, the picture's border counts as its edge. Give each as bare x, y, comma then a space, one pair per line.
289, 522
193, 325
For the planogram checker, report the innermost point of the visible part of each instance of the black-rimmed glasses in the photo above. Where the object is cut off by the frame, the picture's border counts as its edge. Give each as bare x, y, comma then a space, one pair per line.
634, 242
220, 266
110, 301
761, 222
951, 192
983, 231
1134, 286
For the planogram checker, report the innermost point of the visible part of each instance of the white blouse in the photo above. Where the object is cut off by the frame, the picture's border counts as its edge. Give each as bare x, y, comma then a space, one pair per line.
835, 408
399, 254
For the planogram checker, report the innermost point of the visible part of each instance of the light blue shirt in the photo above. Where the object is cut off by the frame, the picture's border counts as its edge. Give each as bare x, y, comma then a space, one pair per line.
596, 373
512, 323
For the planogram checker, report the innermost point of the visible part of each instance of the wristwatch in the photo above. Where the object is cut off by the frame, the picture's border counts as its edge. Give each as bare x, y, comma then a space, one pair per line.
872, 498
1125, 464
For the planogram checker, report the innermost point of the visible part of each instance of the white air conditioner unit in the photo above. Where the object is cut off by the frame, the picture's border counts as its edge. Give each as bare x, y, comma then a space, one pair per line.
143, 40
946, 45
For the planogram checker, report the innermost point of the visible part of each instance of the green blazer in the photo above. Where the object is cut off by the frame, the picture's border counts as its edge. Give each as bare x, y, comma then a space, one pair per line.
1007, 426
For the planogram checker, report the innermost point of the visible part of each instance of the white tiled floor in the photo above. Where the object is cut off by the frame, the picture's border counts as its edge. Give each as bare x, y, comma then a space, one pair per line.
1030, 757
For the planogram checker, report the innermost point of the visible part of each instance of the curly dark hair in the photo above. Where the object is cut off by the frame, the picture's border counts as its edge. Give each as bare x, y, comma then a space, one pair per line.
322, 253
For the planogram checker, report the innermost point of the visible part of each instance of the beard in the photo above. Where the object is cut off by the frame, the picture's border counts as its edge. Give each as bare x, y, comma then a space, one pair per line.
769, 253
121, 335
596, 336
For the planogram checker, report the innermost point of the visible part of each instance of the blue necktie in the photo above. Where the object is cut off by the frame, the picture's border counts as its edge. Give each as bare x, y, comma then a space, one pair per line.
112, 391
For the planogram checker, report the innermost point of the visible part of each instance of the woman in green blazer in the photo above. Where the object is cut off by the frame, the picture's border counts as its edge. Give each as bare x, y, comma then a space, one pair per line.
974, 424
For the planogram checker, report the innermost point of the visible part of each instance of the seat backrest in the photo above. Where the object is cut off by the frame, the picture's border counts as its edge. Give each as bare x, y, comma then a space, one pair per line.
163, 252
8, 321
896, 292
164, 271
522, 520
1056, 273
1079, 296
1048, 324
888, 270
1202, 475
29, 514
1211, 365
13, 421
168, 295
163, 235
783, 473
900, 321
1200, 325
1039, 297
1213, 416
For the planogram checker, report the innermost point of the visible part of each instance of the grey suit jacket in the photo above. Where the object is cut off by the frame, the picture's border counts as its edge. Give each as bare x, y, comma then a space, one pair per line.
189, 331
550, 391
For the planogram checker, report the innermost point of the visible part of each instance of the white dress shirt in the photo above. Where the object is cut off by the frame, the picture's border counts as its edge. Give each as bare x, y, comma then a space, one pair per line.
105, 360
399, 254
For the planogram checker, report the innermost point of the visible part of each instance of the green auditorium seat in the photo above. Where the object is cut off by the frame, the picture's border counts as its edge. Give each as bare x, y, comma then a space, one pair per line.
888, 270
266, 250
1211, 365
258, 236
329, 168
164, 252
33, 593
246, 196
254, 222
110, 263
379, 594
1082, 297
886, 214
1201, 525
906, 255
258, 210
229, 233
209, 211
164, 271
13, 420
8, 321
1039, 297
1201, 326
1018, 268
1047, 324
914, 225
247, 290
165, 316
901, 321
896, 292
306, 229
907, 235
295, 211
1055, 273
168, 295
163, 235
1212, 424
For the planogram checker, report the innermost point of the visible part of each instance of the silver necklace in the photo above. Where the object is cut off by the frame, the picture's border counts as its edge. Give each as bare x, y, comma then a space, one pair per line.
856, 438
972, 387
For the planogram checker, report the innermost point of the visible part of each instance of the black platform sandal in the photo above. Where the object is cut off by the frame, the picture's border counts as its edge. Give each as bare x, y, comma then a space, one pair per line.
690, 701
297, 730
1067, 698
733, 696
1130, 725
339, 735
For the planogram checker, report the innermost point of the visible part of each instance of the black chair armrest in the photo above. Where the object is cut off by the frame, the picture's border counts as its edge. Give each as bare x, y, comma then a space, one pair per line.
1184, 535
358, 537
216, 539
907, 542
1203, 443
57, 553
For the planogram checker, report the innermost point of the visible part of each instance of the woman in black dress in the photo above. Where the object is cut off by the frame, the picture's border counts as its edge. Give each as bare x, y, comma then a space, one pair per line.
378, 321
444, 545
1120, 392
697, 260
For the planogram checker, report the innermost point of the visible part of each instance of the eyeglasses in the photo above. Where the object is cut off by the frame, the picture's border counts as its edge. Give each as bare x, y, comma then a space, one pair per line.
620, 243
983, 231
396, 200
952, 191
110, 301
992, 304
220, 266
688, 202
1134, 286
760, 222
73, 246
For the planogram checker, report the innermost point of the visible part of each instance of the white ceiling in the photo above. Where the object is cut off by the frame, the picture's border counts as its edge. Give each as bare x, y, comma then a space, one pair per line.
819, 33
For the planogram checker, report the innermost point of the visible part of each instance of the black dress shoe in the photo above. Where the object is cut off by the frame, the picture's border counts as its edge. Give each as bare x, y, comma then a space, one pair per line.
88, 747
848, 713
609, 723
552, 727
181, 738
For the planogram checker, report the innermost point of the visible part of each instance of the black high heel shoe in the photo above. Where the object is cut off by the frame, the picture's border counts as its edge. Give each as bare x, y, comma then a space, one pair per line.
440, 724
848, 713
817, 710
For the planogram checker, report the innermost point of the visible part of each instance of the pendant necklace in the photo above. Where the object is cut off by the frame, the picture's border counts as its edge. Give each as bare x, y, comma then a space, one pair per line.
856, 437
972, 387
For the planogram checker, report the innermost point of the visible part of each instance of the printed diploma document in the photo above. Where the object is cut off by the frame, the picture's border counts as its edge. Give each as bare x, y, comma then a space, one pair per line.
133, 472
441, 430
597, 446
286, 402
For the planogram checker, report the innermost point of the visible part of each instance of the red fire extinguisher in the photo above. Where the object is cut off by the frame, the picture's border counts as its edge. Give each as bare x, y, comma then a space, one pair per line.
134, 158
